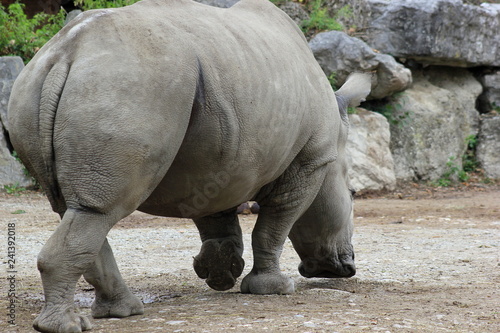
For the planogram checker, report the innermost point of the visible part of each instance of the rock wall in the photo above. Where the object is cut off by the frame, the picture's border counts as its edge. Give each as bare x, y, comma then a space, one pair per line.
432, 120
488, 150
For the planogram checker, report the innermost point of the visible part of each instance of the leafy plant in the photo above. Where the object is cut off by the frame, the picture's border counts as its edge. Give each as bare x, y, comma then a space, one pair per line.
14, 189
320, 19
450, 174
352, 110
469, 161
23, 36
332, 78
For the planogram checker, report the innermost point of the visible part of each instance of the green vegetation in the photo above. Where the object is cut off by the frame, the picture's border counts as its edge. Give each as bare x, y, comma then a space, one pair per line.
332, 78
23, 36
96, 4
320, 19
14, 189
451, 175
469, 162
469, 166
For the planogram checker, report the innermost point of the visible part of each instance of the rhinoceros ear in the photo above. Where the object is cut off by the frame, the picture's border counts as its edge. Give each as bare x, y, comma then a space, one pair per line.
354, 90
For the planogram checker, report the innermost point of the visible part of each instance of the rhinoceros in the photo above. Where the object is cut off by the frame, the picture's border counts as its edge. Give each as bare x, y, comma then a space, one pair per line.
179, 109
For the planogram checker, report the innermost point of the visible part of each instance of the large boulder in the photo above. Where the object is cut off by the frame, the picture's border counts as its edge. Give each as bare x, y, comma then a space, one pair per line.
338, 53
488, 149
440, 32
11, 171
369, 156
431, 121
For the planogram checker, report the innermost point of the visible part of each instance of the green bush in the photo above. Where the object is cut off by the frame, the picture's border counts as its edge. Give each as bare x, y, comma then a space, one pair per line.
320, 19
23, 36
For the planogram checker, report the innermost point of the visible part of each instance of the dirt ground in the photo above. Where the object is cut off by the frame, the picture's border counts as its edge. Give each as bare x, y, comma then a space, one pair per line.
428, 260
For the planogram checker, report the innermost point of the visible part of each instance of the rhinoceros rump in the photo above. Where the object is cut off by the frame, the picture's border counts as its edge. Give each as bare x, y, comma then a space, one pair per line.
179, 109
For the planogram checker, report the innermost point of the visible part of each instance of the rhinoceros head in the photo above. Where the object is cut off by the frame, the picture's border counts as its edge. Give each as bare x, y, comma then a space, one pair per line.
322, 236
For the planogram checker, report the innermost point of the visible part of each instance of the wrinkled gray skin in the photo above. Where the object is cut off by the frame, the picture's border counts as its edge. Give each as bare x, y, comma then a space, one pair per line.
180, 109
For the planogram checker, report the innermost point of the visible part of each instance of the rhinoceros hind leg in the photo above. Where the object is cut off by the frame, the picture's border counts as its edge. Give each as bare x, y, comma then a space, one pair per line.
68, 253
219, 260
113, 298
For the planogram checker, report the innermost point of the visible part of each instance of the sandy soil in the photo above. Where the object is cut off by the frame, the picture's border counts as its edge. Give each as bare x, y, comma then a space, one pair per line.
428, 261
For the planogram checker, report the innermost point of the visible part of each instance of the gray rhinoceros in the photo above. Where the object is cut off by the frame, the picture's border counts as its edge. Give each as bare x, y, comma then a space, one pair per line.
179, 109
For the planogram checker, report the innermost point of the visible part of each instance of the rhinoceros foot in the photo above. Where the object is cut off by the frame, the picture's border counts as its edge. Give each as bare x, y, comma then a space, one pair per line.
54, 319
267, 283
123, 305
220, 263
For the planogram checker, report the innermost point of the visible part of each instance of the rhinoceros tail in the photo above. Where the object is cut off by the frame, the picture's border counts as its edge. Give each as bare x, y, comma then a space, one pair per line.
354, 90
51, 93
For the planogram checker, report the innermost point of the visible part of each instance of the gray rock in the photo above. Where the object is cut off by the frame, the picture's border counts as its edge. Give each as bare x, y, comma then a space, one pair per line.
431, 121
370, 159
360, 13
295, 11
72, 15
490, 99
218, 3
338, 53
443, 32
11, 171
10, 67
488, 149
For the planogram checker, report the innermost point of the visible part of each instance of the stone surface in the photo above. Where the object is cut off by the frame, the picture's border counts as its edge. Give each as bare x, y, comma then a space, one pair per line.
444, 32
431, 121
295, 11
490, 99
371, 166
10, 67
488, 149
11, 171
338, 53
72, 15
218, 3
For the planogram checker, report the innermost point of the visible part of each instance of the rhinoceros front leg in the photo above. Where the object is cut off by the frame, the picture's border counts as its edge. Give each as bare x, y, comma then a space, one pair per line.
283, 202
113, 298
69, 252
219, 260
